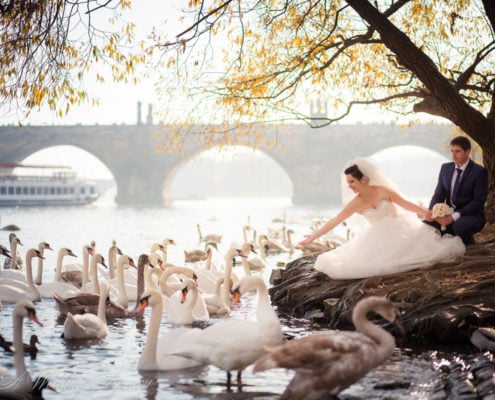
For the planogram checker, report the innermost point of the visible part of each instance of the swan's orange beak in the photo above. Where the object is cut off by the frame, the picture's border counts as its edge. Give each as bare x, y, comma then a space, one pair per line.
143, 303
32, 316
184, 296
236, 296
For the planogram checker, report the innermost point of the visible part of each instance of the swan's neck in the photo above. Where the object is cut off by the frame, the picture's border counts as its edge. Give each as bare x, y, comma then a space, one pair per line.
124, 302
218, 285
13, 253
58, 269
102, 303
94, 276
140, 280
365, 326
111, 262
165, 288
245, 266
20, 366
200, 234
35, 294
208, 260
149, 351
150, 283
39, 274
226, 278
264, 309
261, 248
85, 271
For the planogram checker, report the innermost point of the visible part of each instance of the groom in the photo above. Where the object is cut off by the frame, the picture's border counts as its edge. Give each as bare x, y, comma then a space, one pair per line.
462, 184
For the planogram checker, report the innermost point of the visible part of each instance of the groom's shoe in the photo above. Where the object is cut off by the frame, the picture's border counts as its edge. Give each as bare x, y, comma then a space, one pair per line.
468, 240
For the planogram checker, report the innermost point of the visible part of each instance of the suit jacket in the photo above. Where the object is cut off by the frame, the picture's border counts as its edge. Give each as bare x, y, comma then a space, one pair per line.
472, 193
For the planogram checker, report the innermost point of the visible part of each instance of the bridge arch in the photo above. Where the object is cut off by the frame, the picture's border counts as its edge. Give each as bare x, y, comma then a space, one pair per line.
245, 172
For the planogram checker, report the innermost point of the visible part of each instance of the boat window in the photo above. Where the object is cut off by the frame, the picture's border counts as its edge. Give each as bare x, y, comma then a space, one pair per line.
39, 190
92, 190
83, 190
25, 190
65, 190
46, 190
18, 190
52, 190
71, 190
59, 190
32, 190
3, 190
11, 190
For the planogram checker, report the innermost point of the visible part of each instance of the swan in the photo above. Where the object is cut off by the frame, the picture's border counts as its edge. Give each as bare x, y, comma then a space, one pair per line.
251, 264
232, 345
12, 294
182, 304
27, 348
157, 352
21, 385
169, 289
167, 242
46, 290
80, 302
15, 262
94, 285
42, 246
75, 273
197, 255
216, 306
273, 246
88, 326
327, 363
118, 287
228, 275
113, 251
211, 237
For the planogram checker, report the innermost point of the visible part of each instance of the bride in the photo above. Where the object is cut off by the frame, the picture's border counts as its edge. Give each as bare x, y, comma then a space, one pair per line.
395, 239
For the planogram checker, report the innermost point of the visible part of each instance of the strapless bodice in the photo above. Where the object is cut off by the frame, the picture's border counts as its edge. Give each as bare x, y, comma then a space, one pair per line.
385, 208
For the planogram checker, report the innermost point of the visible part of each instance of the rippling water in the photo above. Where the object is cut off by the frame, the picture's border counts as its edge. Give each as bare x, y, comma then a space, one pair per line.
100, 369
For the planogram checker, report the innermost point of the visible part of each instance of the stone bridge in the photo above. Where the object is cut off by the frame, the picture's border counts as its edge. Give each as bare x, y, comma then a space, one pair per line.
312, 158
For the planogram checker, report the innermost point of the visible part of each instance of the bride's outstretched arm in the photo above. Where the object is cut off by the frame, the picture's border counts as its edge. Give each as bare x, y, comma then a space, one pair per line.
346, 212
409, 206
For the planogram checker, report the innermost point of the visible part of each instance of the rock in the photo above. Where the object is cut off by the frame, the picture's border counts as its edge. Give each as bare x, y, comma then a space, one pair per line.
434, 299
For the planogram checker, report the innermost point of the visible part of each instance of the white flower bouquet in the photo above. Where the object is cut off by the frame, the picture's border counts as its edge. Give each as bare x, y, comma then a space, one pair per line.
441, 210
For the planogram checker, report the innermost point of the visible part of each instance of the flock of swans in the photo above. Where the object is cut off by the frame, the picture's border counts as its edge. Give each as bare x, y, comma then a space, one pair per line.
101, 289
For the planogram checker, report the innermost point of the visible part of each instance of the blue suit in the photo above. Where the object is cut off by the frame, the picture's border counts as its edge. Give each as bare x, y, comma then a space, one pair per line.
469, 201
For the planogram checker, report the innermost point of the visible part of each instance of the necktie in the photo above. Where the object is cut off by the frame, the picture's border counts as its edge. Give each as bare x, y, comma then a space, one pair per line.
456, 184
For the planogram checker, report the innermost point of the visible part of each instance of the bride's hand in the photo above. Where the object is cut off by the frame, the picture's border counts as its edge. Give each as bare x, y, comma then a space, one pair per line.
428, 217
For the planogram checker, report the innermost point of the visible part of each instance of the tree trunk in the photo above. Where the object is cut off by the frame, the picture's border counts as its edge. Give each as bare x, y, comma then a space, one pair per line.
455, 108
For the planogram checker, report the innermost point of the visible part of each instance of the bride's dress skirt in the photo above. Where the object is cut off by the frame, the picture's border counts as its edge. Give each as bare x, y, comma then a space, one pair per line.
392, 243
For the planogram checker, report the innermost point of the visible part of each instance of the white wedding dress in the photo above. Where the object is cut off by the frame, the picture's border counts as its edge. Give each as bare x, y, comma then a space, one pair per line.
393, 242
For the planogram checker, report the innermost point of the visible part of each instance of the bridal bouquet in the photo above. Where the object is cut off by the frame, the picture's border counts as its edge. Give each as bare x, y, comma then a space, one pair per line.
441, 210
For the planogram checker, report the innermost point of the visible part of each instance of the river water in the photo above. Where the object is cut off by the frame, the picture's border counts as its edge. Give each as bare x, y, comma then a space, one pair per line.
108, 368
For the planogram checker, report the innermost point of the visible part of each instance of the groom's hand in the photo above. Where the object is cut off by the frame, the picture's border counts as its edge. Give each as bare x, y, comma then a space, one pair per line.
428, 217
445, 220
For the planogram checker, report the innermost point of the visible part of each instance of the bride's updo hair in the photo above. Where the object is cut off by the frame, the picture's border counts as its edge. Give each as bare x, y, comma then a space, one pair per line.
354, 171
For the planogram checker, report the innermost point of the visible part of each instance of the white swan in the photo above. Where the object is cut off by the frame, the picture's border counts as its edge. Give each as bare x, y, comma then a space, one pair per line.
182, 304
46, 290
327, 363
88, 326
80, 302
211, 237
119, 288
76, 273
216, 306
250, 264
21, 385
169, 289
10, 273
42, 246
13, 294
113, 251
232, 345
94, 285
157, 352
15, 262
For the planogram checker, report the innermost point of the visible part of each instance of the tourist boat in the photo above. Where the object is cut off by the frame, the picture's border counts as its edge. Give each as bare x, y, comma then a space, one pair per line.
43, 185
